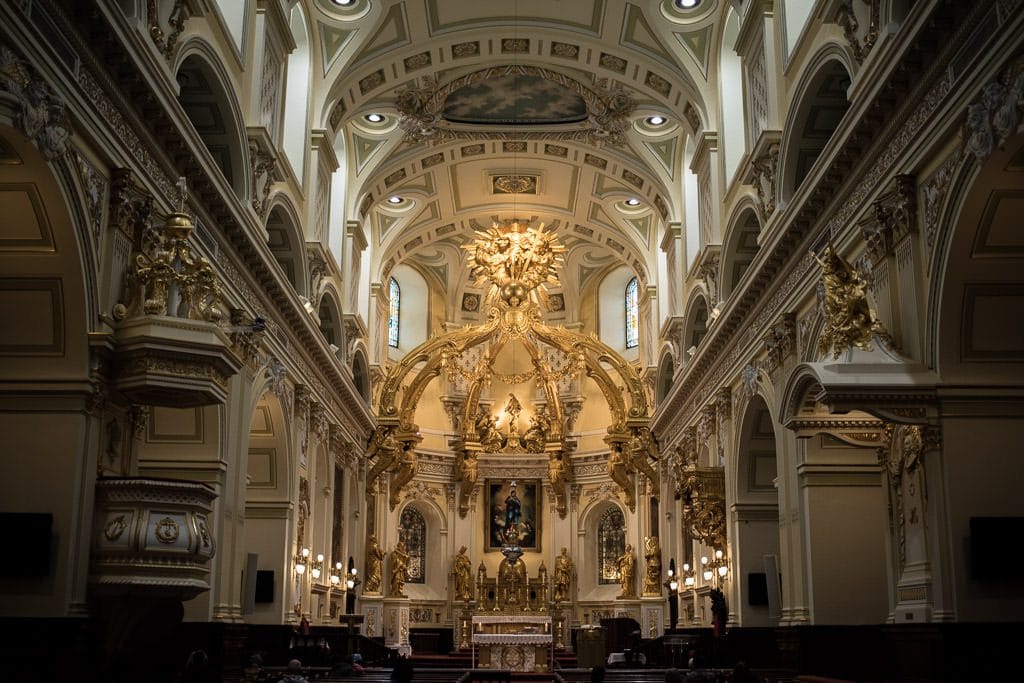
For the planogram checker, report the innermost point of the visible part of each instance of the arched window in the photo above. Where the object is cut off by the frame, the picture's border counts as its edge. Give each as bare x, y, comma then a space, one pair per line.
394, 308
413, 530
632, 314
611, 542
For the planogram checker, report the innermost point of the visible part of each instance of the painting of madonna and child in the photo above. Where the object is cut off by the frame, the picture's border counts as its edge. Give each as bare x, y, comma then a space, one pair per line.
514, 517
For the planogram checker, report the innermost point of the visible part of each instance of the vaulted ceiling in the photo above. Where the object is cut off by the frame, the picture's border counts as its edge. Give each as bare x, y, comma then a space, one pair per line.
458, 114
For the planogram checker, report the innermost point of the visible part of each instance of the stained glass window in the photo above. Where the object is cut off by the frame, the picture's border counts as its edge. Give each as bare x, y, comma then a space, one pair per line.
611, 543
632, 314
412, 529
394, 308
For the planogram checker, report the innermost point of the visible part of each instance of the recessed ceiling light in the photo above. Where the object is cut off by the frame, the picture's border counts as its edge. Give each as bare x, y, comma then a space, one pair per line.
633, 201
374, 118
655, 120
687, 4
394, 199
344, 3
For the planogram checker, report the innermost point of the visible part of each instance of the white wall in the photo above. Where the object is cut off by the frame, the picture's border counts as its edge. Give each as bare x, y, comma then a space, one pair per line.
611, 312
413, 318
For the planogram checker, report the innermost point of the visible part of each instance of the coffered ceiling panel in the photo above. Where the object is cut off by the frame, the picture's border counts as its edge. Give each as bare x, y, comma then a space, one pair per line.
556, 187
579, 15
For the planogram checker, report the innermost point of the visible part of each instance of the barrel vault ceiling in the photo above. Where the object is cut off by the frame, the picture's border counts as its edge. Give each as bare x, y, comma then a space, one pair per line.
521, 116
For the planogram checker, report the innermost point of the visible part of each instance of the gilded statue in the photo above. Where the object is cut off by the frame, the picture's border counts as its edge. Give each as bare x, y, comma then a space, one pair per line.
462, 569
384, 446
652, 575
557, 471
374, 564
512, 581
404, 472
563, 576
536, 436
626, 565
512, 410
487, 432
399, 570
619, 471
849, 320
514, 254
467, 473
642, 451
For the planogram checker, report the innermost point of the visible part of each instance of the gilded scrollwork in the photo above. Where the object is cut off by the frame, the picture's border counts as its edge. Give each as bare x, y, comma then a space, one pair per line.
518, 261
165, 278
702, 491
536, 435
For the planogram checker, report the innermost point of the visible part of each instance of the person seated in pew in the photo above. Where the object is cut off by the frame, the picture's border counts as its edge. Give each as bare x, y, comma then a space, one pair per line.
294, 674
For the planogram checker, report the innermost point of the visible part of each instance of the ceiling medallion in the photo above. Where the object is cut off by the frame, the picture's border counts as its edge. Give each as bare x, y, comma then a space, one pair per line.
516, 259
515, 184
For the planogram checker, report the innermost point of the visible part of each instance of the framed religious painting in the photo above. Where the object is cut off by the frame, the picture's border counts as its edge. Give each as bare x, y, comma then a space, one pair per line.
513, 517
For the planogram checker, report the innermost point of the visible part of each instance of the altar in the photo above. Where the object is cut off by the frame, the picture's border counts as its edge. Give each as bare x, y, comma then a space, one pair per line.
513, 642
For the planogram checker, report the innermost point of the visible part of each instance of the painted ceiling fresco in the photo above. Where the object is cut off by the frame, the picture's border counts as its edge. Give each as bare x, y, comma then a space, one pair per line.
515, 100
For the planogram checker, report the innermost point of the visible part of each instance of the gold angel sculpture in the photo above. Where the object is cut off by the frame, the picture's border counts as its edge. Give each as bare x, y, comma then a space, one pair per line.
849, 320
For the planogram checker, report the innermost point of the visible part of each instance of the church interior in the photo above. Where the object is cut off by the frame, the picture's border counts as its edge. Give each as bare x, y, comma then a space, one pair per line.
522, 336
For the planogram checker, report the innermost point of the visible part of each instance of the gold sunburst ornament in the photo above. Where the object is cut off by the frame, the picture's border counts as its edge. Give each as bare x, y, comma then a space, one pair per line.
517, 259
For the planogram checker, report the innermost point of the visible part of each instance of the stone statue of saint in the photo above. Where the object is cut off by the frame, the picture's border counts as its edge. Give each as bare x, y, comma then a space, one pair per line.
627, 569
374, 564
463, 571
399, 570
